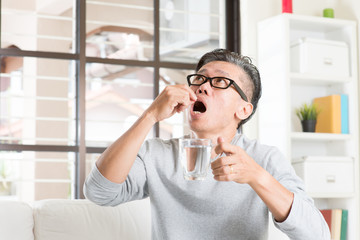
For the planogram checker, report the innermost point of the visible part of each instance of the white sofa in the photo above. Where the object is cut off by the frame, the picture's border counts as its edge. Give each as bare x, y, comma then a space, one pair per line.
55, 219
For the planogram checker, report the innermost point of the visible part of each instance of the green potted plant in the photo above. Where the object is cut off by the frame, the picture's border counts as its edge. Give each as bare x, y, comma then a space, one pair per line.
307, 114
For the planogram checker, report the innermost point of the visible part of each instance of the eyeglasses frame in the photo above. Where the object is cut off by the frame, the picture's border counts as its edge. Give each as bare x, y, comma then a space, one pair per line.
232, 82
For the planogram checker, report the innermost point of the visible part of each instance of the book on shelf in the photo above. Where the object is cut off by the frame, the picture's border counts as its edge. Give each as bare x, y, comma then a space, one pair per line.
333, 114
344, 113
337, 220
327, 216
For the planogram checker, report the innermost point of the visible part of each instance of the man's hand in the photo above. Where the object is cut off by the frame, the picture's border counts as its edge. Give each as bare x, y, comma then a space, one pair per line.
239, 167
236, 166
116, 161
172, 99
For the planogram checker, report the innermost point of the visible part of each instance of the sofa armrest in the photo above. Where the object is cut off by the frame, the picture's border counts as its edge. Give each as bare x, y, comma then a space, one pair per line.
81, 219
16, 221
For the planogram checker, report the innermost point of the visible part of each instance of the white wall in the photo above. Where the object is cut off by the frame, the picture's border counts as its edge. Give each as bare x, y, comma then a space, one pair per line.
253, 11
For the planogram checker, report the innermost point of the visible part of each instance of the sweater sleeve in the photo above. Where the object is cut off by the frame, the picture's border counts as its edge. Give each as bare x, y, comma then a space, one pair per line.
101, 191
305, 221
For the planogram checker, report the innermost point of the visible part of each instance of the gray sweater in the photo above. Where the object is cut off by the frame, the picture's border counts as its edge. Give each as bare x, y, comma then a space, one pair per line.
208, 209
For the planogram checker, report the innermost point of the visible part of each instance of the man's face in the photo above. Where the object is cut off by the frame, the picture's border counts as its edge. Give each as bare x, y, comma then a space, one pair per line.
216, 109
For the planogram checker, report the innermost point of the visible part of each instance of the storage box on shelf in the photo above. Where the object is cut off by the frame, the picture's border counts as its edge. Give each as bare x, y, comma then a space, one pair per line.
301, 58
326, 176
320, 57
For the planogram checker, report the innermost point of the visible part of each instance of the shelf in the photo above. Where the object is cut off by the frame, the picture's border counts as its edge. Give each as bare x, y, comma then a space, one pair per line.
331, 195
301, 136
316, 24
332, 174
304, 78
322, 159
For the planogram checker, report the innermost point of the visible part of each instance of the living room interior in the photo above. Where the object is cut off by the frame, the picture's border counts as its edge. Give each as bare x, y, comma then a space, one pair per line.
76, 74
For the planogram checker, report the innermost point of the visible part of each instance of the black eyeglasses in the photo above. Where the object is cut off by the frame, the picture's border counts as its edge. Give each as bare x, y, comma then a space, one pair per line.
215, 82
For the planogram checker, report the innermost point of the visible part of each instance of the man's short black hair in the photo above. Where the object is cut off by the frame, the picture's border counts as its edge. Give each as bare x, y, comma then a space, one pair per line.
253, 86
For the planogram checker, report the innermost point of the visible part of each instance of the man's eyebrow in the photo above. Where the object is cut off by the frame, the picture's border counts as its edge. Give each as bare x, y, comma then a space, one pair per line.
216, 71
202, 71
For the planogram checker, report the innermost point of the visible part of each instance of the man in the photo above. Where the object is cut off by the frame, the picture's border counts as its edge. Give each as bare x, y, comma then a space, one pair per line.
249, 179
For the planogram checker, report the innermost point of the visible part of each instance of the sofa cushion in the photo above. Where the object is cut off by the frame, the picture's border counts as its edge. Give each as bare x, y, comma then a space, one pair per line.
16, 221
81, 219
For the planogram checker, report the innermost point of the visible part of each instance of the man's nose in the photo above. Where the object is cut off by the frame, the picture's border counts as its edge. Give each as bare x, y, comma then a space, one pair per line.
204, 88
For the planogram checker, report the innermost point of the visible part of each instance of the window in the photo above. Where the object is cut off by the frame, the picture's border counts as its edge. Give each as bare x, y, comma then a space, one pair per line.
79, 73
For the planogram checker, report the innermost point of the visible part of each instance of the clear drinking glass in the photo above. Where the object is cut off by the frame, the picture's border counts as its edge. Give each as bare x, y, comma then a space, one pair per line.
195, 157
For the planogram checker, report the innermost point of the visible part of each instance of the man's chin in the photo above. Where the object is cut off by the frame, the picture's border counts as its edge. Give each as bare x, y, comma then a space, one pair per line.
197, 125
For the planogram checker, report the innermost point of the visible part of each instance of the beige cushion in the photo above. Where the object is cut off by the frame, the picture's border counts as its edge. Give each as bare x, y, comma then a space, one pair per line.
16, 221
81, 219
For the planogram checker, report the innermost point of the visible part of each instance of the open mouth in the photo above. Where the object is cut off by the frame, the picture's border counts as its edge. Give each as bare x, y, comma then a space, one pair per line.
199, 107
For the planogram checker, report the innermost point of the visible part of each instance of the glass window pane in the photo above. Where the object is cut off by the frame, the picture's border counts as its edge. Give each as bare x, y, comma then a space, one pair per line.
189, 28
90, 162
38, 25
177, 125
37, 101
121, 29
29, 176
116, 96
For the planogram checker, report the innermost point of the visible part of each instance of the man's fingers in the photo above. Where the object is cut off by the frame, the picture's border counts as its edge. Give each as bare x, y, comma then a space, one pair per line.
179, 97
224, 170
183, 103
224, 147
224, 178
223, 161
220, 140
191, 93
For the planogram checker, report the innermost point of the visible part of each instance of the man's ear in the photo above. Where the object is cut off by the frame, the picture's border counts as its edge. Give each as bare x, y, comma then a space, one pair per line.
244, 110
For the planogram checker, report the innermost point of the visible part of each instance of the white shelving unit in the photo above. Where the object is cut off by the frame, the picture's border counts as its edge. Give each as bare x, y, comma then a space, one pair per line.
284, 90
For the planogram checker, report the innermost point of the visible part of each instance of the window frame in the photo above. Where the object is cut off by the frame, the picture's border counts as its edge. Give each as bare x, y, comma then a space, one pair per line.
232, 37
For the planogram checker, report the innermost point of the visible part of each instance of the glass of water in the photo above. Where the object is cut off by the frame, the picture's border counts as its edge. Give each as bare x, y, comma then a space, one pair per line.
195, 157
